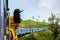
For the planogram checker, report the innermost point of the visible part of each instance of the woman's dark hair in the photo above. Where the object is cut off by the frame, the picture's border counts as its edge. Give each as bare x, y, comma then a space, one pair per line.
17, 15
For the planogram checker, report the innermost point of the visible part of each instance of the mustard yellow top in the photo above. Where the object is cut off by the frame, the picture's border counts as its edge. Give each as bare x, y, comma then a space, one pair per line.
13, 27
13, 35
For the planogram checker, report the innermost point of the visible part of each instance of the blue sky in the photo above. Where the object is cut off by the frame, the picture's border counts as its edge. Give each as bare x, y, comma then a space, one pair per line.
42, 8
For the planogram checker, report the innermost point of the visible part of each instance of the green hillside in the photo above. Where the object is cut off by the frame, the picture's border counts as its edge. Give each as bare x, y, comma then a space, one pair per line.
36, 35
44, 35
30, 23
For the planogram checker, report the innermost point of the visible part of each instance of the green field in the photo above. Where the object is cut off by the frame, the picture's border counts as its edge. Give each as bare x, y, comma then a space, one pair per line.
33, 24
44, 35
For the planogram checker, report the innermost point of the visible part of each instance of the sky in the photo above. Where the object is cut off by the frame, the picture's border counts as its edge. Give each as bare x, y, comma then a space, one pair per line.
42, 8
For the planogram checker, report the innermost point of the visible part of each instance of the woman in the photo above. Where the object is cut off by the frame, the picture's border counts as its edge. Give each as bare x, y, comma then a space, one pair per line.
14, 24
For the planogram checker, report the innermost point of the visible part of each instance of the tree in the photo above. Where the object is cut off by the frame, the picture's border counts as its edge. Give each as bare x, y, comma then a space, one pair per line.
39, 17
54, 25
44, 20
33, 17
51, 20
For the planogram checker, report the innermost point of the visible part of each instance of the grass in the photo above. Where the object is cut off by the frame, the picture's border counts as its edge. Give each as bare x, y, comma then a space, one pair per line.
27, 23
46, 35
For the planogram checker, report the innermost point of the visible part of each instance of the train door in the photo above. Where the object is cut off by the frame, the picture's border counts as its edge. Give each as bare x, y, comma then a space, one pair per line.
3, 13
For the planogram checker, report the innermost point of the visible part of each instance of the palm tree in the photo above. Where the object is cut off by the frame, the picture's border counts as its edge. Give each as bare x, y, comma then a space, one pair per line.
39, 17
33, 17
52, 18
54, 25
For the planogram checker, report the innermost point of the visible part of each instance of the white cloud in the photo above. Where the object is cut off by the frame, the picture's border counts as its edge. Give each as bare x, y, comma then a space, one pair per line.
53, 5
47, 3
